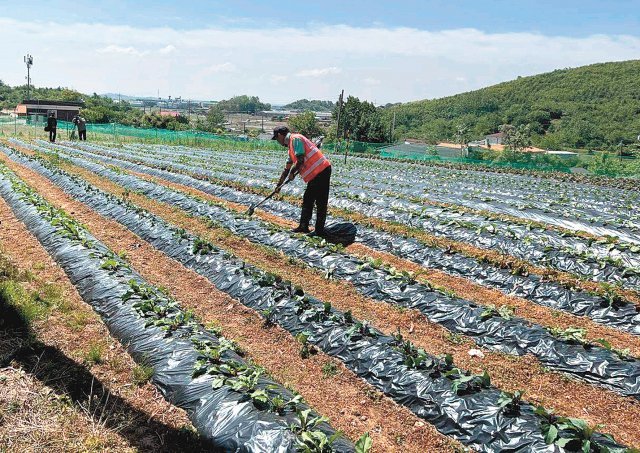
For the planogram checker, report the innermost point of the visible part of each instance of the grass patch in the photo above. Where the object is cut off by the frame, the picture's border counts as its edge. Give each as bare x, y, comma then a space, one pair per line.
329, 369
142, 374
78, 320
30, 306
454, 338
94, 355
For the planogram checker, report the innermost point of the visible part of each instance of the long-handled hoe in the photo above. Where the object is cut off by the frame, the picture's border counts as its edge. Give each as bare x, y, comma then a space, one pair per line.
253, 207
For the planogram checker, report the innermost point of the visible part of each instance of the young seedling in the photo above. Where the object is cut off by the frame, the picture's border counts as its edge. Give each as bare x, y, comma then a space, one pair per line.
572, 434
504, 312
202, 247
611, 297
364, 444
465, 383
572, 335
269, 317
361, 329
307, 349
510, 402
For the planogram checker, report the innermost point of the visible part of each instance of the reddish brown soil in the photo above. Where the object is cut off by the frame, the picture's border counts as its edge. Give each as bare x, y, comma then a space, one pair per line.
72, 331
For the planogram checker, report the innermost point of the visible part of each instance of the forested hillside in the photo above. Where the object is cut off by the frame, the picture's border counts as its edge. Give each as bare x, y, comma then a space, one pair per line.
594, 106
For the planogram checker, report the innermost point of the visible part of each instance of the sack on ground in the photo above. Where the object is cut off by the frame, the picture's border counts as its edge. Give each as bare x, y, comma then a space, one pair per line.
340, 233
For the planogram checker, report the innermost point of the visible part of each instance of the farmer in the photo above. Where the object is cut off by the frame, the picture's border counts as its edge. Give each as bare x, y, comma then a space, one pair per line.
81, 123
314, 168
52, 126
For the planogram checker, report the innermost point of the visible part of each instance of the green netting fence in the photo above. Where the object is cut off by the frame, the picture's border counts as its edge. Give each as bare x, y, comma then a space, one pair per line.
118, 133
354, 147
600, 163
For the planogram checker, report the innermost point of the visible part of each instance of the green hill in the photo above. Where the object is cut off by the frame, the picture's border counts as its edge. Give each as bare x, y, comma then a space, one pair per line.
594, 106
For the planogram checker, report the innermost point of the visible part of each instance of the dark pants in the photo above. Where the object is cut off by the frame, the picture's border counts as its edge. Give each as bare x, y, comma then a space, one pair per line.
52, 135
317, 193
82, 135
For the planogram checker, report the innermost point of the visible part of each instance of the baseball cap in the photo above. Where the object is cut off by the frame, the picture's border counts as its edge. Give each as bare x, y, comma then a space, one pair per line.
279, 130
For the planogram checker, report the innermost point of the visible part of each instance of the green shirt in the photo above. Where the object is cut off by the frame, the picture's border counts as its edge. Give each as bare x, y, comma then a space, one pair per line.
298, 148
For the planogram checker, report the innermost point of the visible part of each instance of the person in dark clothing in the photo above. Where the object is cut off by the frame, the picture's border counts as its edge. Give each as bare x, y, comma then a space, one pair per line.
315, 169
81, 123
52, 126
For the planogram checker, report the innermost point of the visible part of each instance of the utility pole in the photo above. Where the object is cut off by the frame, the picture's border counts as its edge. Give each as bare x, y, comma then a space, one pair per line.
28, 60
338, 120
393, 126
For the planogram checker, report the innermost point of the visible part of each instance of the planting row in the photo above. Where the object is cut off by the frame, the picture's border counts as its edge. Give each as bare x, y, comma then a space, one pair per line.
231, 402
571, 207
439, 180
492, 328
603, 261
610, 310
380, 359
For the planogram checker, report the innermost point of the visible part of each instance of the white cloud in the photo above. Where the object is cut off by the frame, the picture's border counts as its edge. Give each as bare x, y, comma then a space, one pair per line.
221, 67
122, 50
276, 79
409, 63
167, 49
318, 72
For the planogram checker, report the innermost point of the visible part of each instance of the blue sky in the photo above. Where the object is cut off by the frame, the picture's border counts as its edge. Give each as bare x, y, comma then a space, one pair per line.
381, 51
562, 17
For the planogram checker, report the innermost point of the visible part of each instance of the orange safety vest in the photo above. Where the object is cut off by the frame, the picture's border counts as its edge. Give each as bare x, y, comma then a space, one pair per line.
314, 160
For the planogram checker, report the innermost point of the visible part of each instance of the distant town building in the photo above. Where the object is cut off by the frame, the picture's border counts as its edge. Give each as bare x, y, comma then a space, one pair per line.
494, 139
563, 154
170, 113
63, 110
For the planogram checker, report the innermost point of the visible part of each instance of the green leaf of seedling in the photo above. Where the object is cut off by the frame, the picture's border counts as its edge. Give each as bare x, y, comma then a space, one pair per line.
552, 434
364, 444
217, 382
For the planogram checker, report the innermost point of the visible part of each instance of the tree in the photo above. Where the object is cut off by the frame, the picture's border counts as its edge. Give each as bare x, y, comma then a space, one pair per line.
306, 124
215, 117
516, 138
244, 104
362, 120
314, 105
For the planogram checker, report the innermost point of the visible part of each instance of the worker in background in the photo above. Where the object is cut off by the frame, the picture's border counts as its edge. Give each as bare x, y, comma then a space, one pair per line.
314, 168
81, 124
52, 126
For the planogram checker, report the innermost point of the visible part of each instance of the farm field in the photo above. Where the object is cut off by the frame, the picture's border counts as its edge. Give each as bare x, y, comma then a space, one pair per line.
475, 311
